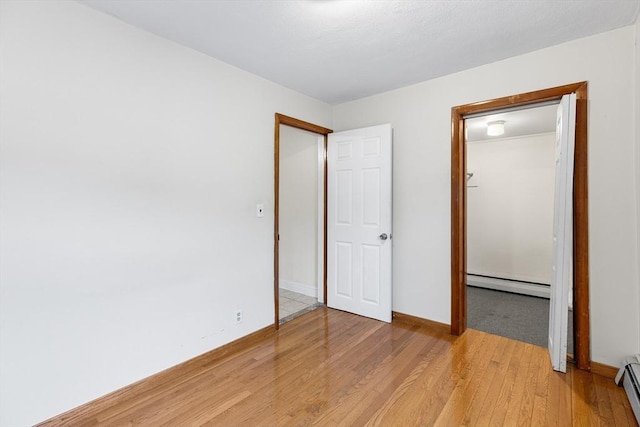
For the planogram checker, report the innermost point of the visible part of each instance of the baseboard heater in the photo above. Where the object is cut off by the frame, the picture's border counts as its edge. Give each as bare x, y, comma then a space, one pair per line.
629, 377
514, 286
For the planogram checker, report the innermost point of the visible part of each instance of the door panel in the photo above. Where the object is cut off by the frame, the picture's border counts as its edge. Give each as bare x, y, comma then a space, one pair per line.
562, 232
344, 269
371, 204
359, 212
344, 203
371, 273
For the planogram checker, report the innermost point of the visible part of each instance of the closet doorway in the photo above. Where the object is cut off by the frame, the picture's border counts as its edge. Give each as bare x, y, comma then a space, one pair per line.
580, 212
510, 213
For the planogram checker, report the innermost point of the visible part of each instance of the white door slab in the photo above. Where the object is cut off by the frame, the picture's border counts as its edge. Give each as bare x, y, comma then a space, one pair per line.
562, 232
359, 231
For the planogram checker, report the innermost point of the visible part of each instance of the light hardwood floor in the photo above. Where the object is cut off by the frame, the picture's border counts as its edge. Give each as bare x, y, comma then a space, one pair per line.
331, 368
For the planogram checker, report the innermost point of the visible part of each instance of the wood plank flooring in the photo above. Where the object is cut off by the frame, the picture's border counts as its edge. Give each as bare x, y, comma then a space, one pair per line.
329, 368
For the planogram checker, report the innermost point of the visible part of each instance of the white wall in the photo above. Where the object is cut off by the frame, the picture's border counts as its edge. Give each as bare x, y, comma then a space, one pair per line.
298, 210
131, 168
510, 208
421, 118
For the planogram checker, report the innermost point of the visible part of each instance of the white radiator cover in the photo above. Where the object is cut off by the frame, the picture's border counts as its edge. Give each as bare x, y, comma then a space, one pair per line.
629, 377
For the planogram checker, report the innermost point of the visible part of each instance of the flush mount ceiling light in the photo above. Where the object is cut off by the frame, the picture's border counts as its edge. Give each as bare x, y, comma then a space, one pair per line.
495, 128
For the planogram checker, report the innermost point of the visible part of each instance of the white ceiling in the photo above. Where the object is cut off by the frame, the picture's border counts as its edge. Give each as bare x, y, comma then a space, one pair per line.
341, 50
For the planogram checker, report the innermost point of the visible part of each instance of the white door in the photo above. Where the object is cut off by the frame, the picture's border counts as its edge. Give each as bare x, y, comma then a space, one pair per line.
359, 222
562, 232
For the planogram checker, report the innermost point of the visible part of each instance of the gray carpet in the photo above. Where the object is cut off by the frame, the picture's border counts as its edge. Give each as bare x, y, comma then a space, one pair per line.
520, 317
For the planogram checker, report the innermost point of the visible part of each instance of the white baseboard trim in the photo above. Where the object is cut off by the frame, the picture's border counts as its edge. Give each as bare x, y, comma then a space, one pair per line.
301, 288
509, 286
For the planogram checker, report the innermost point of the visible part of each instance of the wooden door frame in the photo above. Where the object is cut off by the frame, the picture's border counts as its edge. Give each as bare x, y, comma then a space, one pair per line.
581, 331
281, 119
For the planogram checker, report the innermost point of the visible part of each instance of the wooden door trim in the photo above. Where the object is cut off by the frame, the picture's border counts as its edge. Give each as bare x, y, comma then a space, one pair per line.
281, 119
580, 210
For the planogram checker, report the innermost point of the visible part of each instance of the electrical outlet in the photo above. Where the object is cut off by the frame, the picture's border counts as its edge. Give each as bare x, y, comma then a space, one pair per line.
238, 316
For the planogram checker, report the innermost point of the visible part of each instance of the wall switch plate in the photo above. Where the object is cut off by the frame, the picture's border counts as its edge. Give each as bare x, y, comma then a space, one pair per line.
260, 210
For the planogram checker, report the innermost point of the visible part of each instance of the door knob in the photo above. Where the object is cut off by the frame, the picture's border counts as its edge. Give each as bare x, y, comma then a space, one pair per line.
383, 236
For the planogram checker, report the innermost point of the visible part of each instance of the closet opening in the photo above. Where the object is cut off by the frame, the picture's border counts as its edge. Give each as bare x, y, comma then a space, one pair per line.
459, 206
510, 213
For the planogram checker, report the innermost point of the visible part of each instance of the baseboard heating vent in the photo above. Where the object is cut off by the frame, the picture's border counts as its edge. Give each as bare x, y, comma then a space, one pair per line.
629, 377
